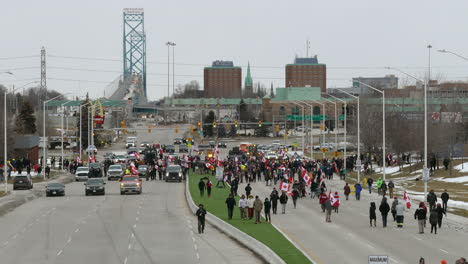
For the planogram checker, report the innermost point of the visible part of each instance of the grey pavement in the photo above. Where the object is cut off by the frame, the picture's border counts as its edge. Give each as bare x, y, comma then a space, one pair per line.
155, 227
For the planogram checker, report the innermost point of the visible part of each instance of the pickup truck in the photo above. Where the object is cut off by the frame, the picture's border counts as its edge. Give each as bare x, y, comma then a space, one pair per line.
131, 184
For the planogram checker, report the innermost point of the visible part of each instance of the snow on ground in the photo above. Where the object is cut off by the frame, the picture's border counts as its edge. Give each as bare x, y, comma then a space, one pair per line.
451, 203
462, 167
388, 170
457, 179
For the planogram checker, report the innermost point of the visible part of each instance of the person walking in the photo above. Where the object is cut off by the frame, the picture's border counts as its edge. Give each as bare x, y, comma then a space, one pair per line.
201, 187
47, 171
445, 197
383, 187
420, 215
336, 204
431, 199
440, 214
208, 188
201, 213
347, 191
384, 208
379, 185
328, 208
243, 207
433, 219
258, 206
248, 190
250, 206
295, 195
394, 204
391, 187
400, 211
274, 200
322, 199
372, 215
358, 190
266, 208
230, 202
369, 183
283, 201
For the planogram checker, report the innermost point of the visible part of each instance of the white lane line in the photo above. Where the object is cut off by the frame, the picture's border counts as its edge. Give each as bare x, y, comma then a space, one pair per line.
60, 252
445, 251
15, 236
190, 226
125, 261
191, 232
198, 256
76, 230
136, 219
130, 246
394, 260
5, 243
138, 212
370, 246
363, 214
193, 239
69, 240
195, 246
134, 226
417, 238
133, 235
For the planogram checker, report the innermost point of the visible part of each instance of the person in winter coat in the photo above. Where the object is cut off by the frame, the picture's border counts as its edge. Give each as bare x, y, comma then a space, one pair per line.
423, 205
383, 187
248, 190
358, 190
441, 212
208, 188
379, 186
336, 205
201, 187
250, 206
369, 183
384, 208
391, 187
372, 215
274, 200
328, 208
258, 206
445, 197
393, 208
283, 201
243, 207
420, 215
432, 199
201, 213
433, 218
230, 203
322, 199
347, 191
400, 211
295, 195
266, 209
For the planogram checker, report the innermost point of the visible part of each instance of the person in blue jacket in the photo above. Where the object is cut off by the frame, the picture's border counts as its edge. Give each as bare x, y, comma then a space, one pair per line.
358, 188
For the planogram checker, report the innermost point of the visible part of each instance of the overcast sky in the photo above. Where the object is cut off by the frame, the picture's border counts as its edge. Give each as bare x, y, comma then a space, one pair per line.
354, 38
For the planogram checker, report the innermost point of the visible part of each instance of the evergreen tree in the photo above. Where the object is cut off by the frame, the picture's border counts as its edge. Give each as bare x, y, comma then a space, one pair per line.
233, 131
26, 123
208, 129
244, 112
84, 126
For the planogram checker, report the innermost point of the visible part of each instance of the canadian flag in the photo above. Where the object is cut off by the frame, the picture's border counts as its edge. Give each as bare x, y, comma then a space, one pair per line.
284, 186
307, 179
161, 151
407, 200
282, 167
78, 159
133, 169
264, 160
322, 178
137, 155
332, 198
207, 164
303, 172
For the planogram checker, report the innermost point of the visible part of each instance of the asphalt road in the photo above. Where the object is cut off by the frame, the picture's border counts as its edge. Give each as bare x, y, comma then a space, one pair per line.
155, 227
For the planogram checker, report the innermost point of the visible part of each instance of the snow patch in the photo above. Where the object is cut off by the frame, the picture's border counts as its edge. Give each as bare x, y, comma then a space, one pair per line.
462, 167
457, 179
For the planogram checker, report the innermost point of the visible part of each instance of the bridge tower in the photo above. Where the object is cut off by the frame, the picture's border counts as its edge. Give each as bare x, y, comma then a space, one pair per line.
134, 48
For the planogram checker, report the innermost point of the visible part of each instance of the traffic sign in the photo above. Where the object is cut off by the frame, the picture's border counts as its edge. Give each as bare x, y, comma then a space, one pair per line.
426, 174
324, 150
336, 153
358, 162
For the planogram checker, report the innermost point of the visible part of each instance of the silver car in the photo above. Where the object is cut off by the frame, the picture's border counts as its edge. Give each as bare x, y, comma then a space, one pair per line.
82, 174
114, 172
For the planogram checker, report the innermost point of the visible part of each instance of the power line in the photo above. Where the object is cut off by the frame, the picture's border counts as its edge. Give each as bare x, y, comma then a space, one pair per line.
19, 57
93, 81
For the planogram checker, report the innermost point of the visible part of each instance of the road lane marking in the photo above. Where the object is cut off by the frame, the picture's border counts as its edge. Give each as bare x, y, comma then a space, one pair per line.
136, 219
76, 230
5, 243
134, 226
193, 239
130, 246
445, 251
394, 260
15, 236
69, 240
133, 235
195, 246
60, 252
190, 226
198, 256
125, 261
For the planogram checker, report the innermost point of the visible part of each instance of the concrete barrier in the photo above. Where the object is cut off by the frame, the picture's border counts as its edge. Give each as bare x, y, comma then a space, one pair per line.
249, 242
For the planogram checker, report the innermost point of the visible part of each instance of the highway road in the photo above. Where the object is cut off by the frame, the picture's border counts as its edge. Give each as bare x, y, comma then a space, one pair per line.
155, 227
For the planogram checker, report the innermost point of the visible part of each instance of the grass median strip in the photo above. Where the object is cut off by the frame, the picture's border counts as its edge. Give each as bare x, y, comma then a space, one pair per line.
263, 232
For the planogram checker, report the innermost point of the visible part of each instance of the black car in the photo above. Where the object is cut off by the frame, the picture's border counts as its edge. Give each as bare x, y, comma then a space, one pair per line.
177, 141
22, 182
95, 170
173, 172
222, 145
95, 186
55, 189
183, 148
170, 149
142, 169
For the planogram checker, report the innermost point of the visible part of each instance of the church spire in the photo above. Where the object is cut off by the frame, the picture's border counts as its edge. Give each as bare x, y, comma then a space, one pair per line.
248, 78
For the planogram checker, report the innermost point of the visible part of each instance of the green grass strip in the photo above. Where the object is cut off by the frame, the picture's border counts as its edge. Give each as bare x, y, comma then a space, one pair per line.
263, 232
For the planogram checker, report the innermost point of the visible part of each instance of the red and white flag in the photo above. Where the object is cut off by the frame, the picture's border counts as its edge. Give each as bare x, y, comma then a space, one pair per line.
208, 165
332, 198
322, 178
282, 167
78, 159
133, 169
303, 172
284, 186
407, 200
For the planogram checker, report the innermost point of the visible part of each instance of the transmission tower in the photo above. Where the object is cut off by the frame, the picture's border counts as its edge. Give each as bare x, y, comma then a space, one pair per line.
43, 74
134, 47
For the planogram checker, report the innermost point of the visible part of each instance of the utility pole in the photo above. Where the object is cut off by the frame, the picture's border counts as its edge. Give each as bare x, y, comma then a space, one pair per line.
43, 74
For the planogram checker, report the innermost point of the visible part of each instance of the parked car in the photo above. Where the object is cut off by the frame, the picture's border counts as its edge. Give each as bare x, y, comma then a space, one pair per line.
82, 174
22, 182
95, 186
55, 189
114, 172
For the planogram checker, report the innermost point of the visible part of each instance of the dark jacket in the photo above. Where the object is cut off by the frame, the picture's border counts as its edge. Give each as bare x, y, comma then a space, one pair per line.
230, 202
384, 208
420, 214
433, 217
370, 181
432, 198
347, 190
440, 211
283, 199
248, 189
372, 209
391, 185
201, 212
445, 196
267, 206
274, 197
201, 185
295, 195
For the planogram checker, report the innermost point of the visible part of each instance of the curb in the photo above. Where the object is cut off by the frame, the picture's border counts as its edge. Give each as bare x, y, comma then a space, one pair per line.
249, 242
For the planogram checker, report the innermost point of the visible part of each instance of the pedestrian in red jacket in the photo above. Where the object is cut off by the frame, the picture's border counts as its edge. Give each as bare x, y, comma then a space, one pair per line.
322, 199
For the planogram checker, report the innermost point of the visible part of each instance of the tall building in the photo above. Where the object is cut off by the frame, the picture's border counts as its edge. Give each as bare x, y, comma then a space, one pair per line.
387, 82
223, 80
248, 84
306, 72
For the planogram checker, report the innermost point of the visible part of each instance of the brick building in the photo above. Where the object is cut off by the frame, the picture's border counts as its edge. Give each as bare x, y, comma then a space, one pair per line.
306, 72
223, 80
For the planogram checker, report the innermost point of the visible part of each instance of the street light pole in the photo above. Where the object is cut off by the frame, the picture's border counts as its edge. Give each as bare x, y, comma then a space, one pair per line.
336, 120
303, 140
173, 68
62, 132
383, 124
44, 149
323, 120
81, 144
345, 123
5, 149
358, 161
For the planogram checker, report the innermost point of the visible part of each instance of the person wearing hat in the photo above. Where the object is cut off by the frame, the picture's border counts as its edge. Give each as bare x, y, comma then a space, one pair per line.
201, 213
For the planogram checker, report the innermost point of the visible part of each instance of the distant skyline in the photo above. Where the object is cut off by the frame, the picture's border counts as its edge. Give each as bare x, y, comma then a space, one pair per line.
353, 38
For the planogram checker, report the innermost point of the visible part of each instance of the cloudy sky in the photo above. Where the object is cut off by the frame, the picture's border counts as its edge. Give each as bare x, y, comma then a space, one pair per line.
354, 38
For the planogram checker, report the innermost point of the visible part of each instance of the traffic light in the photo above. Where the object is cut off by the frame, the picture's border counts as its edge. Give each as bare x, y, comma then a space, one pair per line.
236, 123
149, 129
277, 128
259, 123
214, 124
177, 129
199, 124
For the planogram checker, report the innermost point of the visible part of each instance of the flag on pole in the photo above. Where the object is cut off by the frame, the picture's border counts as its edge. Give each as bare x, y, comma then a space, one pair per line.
284, 186
407, 200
